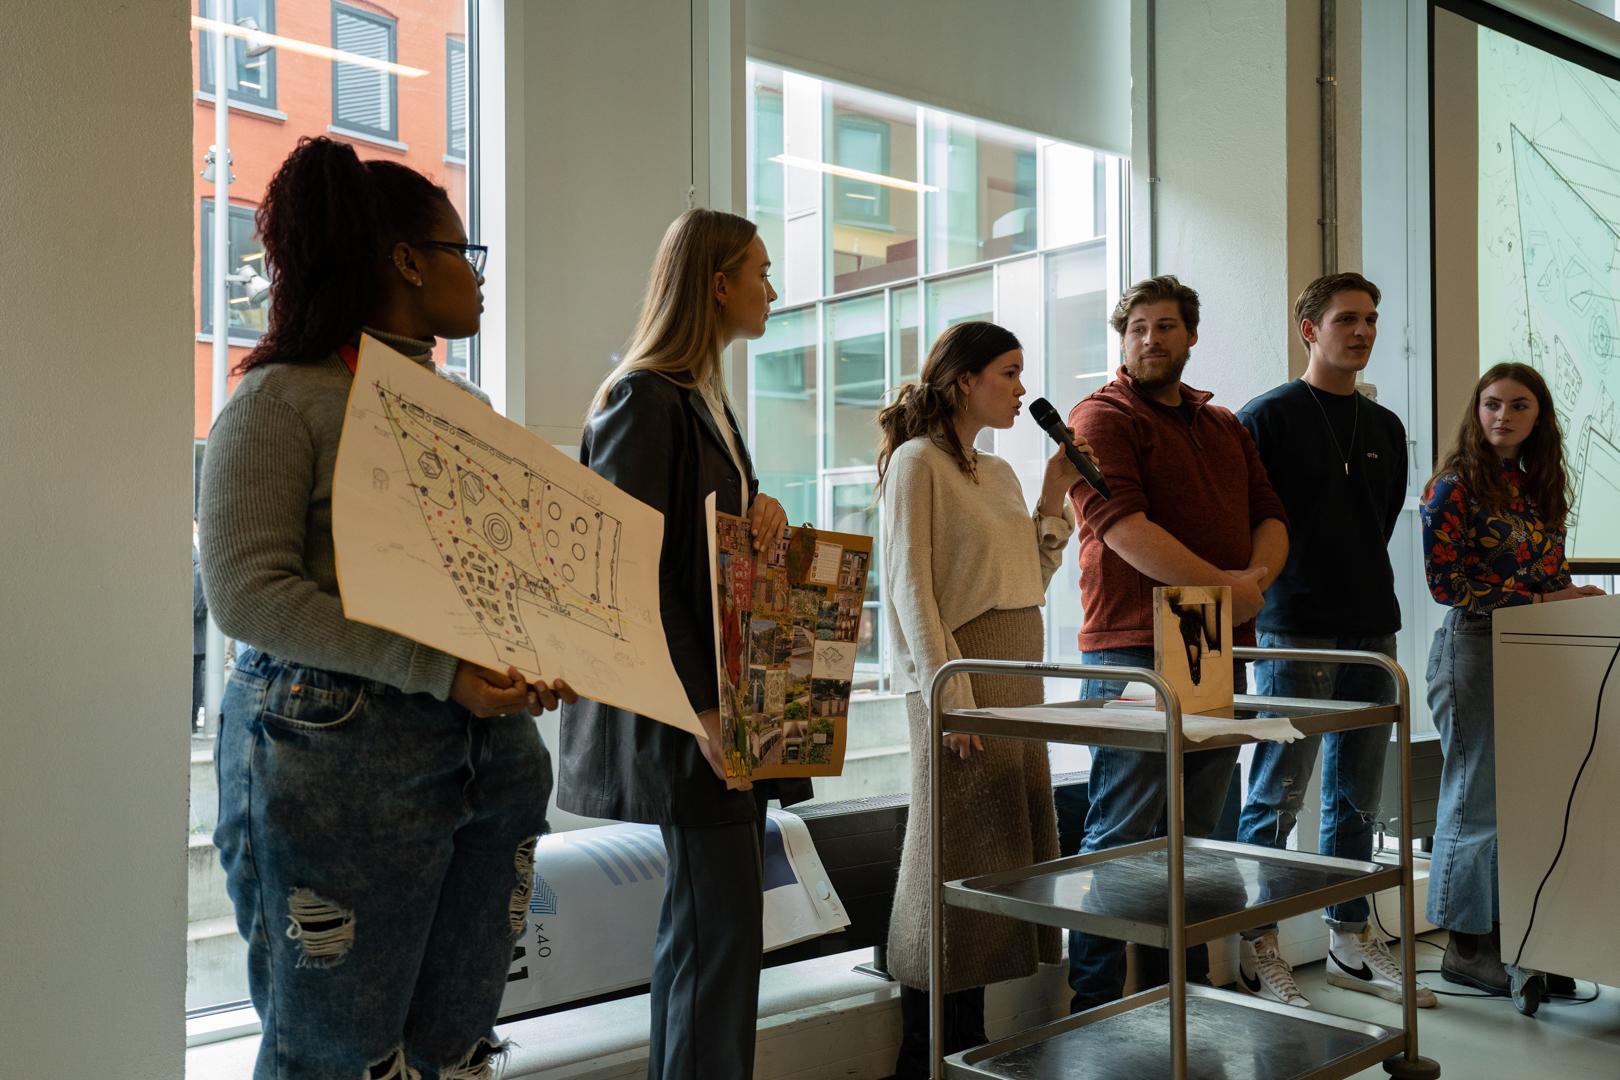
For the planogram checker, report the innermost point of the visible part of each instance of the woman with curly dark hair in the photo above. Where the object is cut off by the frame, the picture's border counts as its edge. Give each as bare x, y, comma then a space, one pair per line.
1493, 537
379, 800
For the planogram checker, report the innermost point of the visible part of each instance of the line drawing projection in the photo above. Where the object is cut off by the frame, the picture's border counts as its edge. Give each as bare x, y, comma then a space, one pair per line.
1549, 256
540, 544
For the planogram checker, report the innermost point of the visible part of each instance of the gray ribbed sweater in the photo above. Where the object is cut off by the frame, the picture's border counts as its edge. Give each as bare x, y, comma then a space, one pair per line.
265, 526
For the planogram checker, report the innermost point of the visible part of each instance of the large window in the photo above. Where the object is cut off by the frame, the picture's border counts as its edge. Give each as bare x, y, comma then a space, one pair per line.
286, 89
365, 99
250, 72
886, 223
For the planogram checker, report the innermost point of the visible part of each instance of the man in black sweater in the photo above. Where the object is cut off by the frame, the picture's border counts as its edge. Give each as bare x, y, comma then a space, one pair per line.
1338, 461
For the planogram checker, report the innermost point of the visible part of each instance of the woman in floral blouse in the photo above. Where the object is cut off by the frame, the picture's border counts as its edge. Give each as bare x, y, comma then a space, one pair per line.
1493, 536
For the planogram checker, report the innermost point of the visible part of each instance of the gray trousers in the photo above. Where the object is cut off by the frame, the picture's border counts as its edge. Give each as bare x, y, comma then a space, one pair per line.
706, 959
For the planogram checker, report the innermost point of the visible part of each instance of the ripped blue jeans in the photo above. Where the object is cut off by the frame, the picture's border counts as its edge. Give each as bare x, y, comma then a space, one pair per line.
1352, 761
378, 848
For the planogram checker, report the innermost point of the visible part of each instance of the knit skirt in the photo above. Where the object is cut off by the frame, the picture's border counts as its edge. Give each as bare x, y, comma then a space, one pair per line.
997, 813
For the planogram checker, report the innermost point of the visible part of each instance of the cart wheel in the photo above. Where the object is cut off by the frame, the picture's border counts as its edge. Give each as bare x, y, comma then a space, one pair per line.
1402, 1067
1528, 992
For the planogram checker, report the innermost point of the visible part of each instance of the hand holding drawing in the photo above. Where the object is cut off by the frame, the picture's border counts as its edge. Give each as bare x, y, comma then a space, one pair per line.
485, 693
766, 520
714, 755
544, 697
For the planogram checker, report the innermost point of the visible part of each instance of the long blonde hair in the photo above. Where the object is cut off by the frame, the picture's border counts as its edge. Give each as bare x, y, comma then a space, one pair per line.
680, 331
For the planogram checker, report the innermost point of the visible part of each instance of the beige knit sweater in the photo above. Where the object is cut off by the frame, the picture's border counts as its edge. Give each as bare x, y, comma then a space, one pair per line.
956, 548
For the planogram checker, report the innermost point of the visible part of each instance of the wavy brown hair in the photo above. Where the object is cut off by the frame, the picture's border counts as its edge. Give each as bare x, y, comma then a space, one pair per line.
927, 408
1541, 455
328, 220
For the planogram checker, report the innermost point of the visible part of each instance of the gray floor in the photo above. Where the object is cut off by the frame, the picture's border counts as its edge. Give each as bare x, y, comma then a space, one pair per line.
1487, 1039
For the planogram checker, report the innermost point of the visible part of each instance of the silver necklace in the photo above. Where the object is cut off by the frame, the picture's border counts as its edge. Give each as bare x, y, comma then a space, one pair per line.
1355, 421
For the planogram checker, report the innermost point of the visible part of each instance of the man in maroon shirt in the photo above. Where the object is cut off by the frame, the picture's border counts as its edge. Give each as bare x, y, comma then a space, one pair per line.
1191, 506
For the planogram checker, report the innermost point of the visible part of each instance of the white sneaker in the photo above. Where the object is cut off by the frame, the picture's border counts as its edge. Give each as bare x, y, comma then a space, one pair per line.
1265, 974
1361, 962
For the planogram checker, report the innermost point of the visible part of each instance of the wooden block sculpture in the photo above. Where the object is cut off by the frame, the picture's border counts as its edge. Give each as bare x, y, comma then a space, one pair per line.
1192, 645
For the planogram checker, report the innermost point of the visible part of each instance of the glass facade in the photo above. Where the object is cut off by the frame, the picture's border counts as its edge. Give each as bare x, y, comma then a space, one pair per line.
416, 113
886, 222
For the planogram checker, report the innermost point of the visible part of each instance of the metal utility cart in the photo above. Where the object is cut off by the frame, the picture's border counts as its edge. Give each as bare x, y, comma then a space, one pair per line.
1173, 893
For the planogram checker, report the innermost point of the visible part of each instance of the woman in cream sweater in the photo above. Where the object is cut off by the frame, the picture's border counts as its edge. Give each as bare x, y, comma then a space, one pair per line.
967, 568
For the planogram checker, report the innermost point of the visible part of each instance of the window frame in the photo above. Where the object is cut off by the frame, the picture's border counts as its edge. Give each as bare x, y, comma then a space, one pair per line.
874, 213
205, 284
205, 58
452, 45
391, 25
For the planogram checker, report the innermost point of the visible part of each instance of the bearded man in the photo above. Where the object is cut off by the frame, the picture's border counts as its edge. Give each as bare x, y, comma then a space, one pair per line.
1191, 506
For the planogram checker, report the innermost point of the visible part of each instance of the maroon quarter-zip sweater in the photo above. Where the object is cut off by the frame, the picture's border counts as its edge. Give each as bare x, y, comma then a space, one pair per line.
1192, 469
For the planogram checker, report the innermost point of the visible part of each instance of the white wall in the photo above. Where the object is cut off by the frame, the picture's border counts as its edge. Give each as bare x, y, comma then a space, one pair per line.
625, 105
1237, 199
1056, 67
95, 303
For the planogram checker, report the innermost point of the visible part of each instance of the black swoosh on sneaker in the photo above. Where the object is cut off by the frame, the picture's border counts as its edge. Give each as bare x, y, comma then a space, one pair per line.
1364, 974
1252, 985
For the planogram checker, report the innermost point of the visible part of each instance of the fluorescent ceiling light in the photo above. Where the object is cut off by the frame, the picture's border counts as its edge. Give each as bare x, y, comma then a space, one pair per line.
858, 195
258, 38
851, 174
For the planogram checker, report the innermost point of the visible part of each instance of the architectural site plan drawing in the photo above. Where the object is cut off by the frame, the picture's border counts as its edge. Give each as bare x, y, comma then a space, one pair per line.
462, 530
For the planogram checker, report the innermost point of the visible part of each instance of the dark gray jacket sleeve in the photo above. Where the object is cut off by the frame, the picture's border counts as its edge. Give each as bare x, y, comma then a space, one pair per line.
635, 442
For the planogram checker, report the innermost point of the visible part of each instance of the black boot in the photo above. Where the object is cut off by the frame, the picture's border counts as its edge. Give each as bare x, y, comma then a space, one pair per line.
1476, 960
964, 1028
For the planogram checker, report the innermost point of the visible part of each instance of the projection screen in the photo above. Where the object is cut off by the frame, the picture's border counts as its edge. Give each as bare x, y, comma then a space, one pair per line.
1526, 173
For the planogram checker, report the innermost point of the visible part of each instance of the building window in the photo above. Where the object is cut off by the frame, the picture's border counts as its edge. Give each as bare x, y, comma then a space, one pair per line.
247, 282
862, 144
364, 99
458, 357
888, 221
455, 72
251, 79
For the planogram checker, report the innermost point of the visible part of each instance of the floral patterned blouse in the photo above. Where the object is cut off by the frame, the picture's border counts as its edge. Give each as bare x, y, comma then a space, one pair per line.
1480, 560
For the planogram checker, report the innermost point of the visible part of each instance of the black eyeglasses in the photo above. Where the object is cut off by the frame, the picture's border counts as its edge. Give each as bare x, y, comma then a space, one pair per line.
476, 254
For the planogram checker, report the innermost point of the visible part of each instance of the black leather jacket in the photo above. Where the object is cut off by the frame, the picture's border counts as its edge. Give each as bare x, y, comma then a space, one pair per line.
658, 441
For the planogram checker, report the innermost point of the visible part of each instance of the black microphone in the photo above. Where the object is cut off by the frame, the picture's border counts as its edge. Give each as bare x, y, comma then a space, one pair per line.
1046, 416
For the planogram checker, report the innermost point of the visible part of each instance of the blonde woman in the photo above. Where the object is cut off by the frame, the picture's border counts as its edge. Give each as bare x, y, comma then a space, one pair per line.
661, 429
967, 568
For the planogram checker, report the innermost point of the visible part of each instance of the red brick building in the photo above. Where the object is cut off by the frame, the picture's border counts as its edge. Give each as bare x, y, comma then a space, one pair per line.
285, 93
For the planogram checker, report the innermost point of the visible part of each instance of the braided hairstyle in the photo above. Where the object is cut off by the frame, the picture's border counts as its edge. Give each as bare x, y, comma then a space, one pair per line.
328, 221
928, 407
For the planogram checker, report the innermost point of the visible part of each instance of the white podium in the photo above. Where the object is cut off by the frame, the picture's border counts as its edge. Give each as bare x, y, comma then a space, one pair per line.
1550, 659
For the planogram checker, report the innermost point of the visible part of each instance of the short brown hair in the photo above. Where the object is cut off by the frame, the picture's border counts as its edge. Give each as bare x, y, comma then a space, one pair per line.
1151, 291
1314, 298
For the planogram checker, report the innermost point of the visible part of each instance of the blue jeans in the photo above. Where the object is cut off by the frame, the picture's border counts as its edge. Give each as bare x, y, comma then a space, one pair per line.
1127, 806
1352, 761
1462, 868
379, 850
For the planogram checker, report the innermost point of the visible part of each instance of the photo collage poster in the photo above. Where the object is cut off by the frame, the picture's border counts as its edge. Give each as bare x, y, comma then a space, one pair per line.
787, 624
